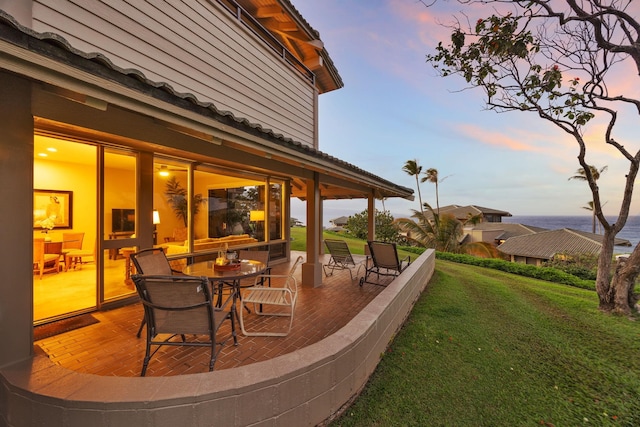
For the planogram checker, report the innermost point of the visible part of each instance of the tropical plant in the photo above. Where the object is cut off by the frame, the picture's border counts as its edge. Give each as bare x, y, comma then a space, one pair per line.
431, 175
520, 61
581, 175
177, 199
442, 232
412, 168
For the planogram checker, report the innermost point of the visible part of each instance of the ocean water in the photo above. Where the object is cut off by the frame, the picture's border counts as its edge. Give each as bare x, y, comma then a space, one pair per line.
631, 230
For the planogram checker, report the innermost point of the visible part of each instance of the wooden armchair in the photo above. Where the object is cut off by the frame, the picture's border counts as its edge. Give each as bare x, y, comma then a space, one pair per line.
43, 262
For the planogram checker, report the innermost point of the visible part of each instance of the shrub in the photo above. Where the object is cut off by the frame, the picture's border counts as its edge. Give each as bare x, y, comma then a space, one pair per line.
550, 274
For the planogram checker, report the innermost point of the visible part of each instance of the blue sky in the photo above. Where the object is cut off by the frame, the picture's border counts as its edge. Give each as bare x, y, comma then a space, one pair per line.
394, 107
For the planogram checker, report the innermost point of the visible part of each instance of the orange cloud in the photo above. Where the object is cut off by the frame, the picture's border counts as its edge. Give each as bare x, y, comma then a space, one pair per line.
497, 139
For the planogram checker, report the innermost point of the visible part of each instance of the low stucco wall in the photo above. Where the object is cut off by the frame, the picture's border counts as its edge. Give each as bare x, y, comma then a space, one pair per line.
305, 387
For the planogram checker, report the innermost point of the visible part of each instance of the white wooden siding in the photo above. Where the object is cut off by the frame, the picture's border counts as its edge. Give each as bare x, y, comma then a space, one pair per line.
194, 46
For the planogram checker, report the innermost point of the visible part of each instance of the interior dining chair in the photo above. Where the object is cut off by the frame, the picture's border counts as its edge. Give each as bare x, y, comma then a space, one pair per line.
43, 262
76, 257
272, 301
71, 242
180, 306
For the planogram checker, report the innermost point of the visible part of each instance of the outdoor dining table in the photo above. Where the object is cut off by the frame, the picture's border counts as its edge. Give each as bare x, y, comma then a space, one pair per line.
227, 276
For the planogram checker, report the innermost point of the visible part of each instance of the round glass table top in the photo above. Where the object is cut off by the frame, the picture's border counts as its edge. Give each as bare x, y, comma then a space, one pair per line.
247, 268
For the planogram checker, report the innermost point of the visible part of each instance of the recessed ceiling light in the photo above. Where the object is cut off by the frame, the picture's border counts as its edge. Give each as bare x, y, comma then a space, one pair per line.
52, 150
43, 155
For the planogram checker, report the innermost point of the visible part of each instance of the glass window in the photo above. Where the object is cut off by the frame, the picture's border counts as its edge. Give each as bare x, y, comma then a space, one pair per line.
171, 204
231, 205
275, 211
119, 220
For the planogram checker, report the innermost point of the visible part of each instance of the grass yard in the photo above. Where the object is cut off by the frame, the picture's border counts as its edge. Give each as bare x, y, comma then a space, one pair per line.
487, 348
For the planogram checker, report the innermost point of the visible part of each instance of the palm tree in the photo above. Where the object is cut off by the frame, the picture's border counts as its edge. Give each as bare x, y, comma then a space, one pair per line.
442, 233
582, 176
433, 231
413, 169
431, 175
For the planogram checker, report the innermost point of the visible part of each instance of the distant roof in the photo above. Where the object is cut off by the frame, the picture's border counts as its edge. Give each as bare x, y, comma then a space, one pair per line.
546, 244
339, 220
462, 212
509, 229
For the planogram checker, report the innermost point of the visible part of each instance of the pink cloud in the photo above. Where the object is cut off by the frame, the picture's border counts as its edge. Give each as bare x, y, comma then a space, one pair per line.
496, 139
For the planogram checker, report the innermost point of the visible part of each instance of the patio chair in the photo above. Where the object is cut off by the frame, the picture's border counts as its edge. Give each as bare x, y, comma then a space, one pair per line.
151, 261
383, 261
262, 256
341, 259
180, 306
280, 301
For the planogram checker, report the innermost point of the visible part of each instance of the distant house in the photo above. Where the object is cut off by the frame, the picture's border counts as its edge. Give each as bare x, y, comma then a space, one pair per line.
463, 213
497, 232
536, 248
338, 224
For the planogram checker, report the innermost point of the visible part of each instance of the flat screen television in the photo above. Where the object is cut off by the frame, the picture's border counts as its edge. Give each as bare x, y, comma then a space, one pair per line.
123, 220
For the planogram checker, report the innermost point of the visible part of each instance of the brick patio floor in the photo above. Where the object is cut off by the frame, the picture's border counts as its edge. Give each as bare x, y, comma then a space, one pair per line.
111, 348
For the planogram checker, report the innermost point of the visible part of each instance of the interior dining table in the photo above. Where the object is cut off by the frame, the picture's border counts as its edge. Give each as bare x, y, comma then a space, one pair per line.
228, 276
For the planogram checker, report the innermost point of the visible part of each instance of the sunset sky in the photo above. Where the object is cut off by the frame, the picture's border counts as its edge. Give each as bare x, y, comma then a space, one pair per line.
394, 107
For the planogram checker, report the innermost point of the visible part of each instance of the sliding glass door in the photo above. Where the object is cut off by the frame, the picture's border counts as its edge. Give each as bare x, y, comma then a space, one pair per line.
65, 211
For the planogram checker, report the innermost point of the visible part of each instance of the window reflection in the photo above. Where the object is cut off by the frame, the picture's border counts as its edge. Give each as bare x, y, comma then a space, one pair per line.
228, 210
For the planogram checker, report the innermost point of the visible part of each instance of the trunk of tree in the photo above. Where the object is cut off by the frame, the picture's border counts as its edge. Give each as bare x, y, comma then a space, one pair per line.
616, 294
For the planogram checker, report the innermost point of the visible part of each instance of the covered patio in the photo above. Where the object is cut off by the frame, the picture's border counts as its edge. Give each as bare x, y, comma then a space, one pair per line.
111, 348
340, 333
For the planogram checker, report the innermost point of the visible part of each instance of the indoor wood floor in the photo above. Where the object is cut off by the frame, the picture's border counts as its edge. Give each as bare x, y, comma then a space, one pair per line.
75, 289
110, 347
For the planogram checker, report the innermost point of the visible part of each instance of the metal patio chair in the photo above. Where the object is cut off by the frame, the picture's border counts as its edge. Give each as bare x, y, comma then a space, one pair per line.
152, 261
280, 301
180, 306
383, 261
341, 259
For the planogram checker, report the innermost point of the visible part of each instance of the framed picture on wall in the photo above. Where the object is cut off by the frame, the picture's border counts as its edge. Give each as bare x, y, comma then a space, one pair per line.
52, 209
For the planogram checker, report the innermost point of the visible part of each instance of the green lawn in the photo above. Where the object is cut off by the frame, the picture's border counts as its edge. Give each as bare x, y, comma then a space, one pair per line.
487, 348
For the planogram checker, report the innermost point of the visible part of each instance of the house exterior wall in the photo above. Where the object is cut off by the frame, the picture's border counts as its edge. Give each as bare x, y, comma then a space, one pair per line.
195, 46
16, 172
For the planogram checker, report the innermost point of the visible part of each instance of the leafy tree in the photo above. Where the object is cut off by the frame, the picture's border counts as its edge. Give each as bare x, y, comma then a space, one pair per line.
581, 175
413, 169
386, 231
557, 60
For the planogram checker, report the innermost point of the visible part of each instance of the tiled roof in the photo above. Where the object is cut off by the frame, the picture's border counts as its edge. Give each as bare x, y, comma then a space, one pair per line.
509, 229
464, 211
546, 244
339, 220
